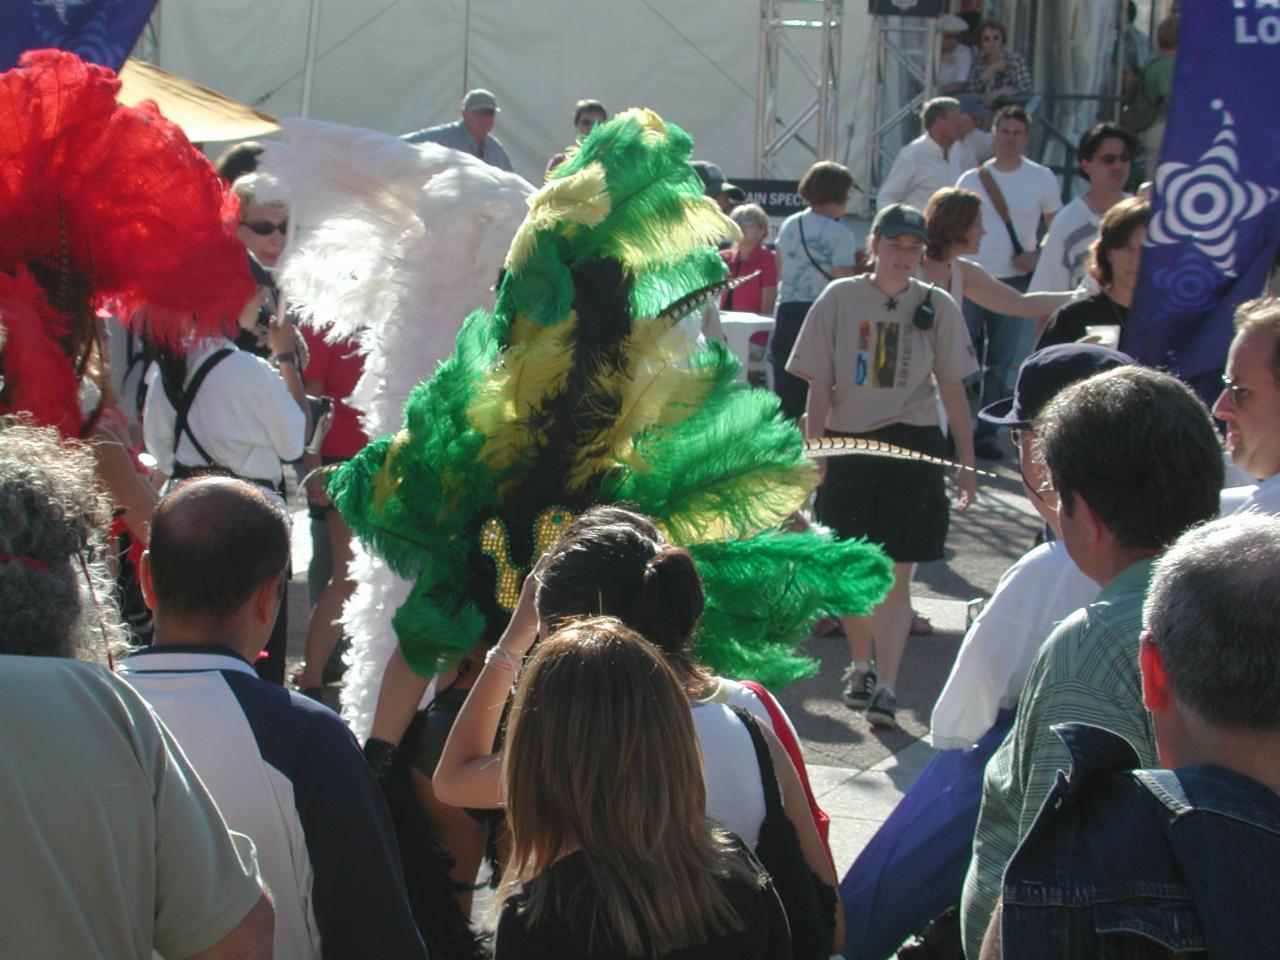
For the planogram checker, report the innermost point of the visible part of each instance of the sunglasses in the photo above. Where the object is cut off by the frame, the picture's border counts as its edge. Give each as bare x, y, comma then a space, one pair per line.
264, 228
1236, 392
1110, 158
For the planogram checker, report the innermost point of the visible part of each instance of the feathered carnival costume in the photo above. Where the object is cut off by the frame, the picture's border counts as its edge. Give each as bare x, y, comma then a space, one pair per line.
588, 383
102, 207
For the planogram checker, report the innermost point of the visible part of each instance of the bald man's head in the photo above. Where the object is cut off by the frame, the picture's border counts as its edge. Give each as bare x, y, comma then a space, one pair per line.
214, 542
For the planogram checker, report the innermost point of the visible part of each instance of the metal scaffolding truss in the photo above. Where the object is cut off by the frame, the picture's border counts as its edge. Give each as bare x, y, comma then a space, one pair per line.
904, 51
783, 23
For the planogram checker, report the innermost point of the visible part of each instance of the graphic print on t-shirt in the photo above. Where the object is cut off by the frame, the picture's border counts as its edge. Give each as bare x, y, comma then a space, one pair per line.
879, 356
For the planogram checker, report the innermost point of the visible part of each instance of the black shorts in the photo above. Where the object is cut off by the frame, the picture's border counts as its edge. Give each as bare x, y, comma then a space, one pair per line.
900, 504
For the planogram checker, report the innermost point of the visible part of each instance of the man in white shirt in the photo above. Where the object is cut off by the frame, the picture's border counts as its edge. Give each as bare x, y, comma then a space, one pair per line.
928, 162
1029, 193
956, 58
1105, 155
1250, 401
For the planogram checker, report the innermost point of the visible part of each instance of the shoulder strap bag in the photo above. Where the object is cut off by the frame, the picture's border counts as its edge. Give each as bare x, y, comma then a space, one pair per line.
1002, 209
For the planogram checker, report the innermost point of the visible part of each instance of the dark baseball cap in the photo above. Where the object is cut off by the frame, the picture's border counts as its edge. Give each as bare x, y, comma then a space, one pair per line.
713, 180
1046, 373
899, 220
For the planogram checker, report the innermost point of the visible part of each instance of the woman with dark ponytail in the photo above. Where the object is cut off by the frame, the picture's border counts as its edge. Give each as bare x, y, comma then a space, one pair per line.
613, 562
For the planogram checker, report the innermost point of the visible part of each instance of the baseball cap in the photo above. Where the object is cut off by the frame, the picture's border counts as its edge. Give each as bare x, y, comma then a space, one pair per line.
479, 99
1047, 372
713, 181
899, 220
950, 23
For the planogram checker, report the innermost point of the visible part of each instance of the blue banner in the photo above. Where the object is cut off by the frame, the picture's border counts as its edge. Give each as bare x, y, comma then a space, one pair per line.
100, 31
1215, 218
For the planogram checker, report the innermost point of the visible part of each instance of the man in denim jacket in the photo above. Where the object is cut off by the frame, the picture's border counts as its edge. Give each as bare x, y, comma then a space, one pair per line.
1181, 861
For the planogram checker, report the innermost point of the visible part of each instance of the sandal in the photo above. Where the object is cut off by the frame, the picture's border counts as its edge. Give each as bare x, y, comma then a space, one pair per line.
920, 625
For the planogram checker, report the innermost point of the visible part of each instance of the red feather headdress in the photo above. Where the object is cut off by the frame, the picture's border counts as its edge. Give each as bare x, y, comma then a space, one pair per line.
108, 208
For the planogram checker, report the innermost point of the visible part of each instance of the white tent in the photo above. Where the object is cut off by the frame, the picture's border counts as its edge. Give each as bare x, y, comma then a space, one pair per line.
398, 65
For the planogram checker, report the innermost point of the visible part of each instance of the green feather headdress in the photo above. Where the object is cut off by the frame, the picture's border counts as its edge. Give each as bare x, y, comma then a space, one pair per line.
587, 384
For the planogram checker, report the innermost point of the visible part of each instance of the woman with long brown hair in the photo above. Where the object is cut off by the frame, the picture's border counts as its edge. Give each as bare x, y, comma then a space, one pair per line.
611, 854
612, 561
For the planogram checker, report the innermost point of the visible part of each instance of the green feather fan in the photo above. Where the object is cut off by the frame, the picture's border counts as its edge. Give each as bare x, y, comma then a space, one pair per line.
583, 387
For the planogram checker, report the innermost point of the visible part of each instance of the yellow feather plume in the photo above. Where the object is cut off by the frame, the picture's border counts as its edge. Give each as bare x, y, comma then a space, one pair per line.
702, 223
656, 388
533, 368
580, 198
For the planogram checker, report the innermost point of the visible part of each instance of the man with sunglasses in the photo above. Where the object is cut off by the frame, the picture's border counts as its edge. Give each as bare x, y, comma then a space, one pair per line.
879, 351
1250, 401
1105, 156
471, 133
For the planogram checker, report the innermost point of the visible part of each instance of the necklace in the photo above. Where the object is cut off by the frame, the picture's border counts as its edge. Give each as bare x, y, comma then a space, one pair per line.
890, 301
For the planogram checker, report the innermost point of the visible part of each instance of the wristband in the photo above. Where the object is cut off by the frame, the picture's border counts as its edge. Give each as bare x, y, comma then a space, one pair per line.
502, 659
289, 357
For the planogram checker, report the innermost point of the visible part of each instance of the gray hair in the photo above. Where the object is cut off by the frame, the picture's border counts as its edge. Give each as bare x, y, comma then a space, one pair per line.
1140, 448
262, 188
1212, 609
750, 213
56, 591
936, 109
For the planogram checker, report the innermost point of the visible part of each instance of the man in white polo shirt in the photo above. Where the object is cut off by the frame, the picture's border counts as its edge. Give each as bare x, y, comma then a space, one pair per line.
929, 162
1016, 195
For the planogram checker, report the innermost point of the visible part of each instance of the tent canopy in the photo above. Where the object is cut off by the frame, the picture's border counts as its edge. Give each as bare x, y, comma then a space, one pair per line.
203, 114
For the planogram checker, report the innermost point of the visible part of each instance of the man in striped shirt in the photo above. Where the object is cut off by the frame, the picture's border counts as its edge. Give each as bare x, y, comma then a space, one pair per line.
1134, 461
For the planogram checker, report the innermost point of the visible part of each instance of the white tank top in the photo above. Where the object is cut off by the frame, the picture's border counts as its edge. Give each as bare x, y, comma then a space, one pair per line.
735, 797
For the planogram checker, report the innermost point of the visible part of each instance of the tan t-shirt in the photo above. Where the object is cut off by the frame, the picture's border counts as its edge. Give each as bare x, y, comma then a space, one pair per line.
881, 368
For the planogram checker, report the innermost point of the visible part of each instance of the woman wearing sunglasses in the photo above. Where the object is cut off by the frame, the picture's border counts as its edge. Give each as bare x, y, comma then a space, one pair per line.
879, 352
997, 74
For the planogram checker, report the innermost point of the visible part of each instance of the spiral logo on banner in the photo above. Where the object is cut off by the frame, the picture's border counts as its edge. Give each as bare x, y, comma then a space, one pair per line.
1203, 203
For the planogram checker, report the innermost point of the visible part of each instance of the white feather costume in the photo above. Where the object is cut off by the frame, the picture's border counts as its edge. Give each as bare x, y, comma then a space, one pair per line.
397, 244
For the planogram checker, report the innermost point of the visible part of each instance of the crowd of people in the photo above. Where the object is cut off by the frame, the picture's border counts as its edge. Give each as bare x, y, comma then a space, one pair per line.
1107, 734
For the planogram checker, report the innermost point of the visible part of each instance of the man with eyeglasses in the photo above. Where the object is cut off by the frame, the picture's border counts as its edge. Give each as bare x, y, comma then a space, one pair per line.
471, 133
1250, 401
1133, 461
891, 891
1105, 156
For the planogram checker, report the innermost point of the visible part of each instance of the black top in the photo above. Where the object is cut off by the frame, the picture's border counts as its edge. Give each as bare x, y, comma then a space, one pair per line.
764, 935
1067, 325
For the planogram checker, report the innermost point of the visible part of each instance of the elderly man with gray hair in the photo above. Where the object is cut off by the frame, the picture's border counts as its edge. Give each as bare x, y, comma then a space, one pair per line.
112, 846
929, 162
1179, 861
